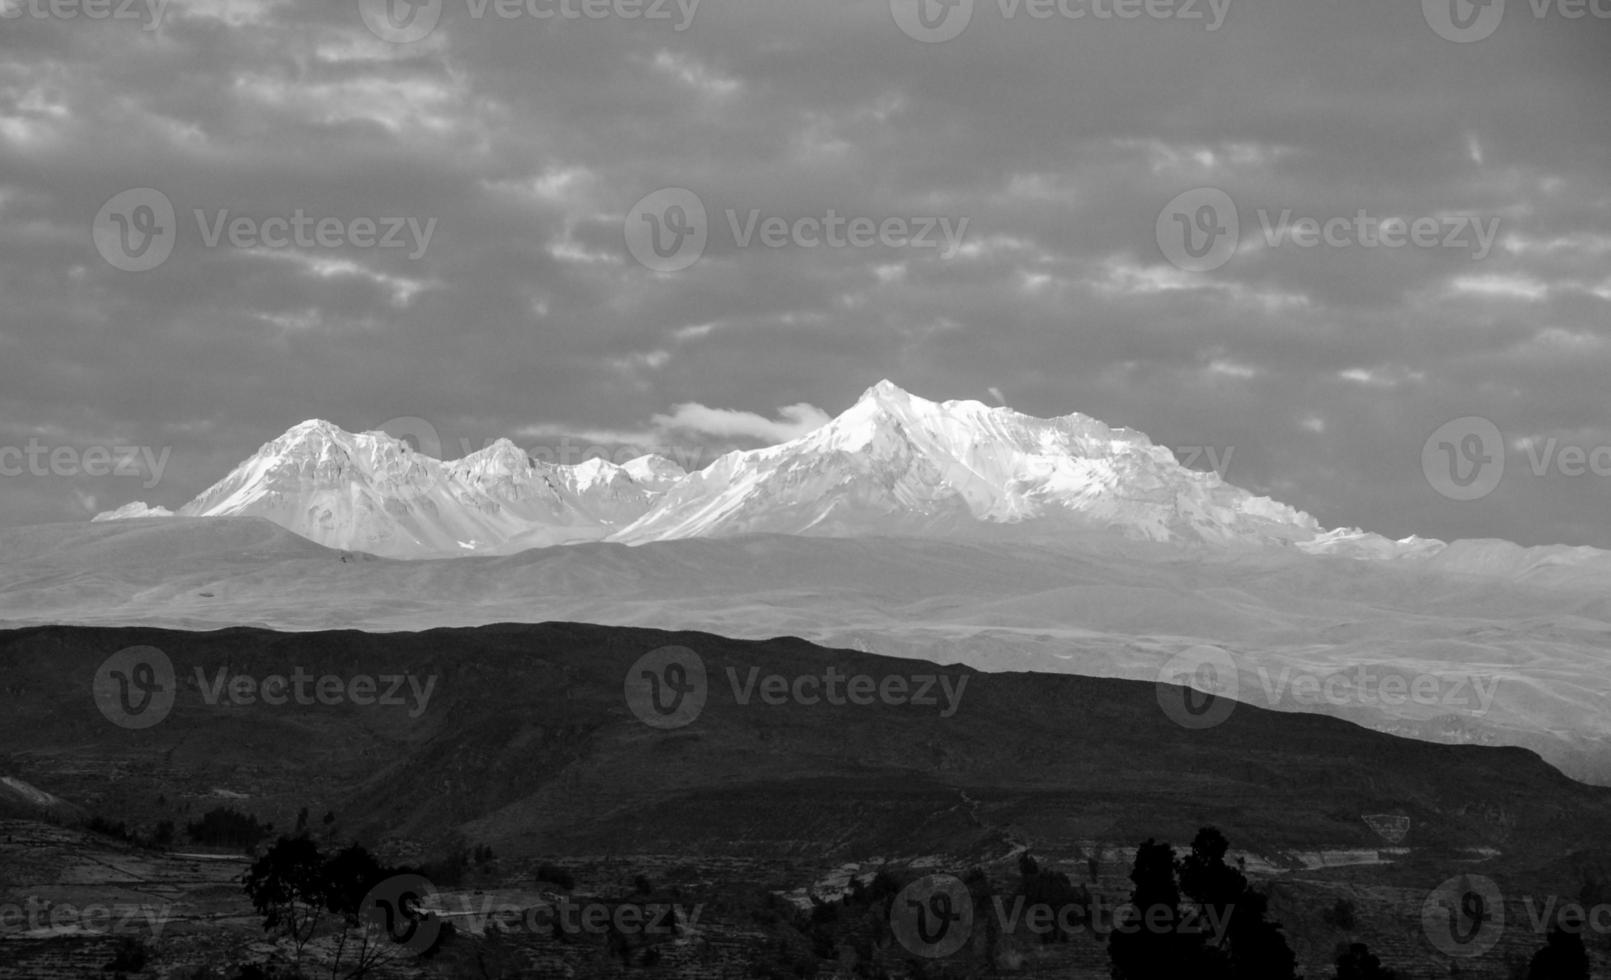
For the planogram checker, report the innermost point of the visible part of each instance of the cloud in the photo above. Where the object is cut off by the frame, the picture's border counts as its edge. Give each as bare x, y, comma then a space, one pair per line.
527, 140
793, 422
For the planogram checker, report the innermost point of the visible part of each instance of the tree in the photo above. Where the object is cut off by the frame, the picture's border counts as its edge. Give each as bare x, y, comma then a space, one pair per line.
1226, 934
230, 827
555, 875
295, 888
1562, 958
1357, 962
349, 875
1027, 865
287, 887
1149, 944
1252, 944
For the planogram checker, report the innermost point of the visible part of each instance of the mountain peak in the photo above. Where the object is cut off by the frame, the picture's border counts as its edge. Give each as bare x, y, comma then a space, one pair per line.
886, 390
893, 463
313, 430
501, 455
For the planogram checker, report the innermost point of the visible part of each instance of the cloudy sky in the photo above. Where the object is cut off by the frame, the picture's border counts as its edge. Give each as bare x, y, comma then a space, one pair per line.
483, 265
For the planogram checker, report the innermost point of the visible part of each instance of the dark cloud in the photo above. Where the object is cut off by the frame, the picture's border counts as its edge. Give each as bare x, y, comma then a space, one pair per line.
527, 140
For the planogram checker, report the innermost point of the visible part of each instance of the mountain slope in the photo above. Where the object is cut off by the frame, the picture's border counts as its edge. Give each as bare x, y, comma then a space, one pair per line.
896, 463
892, 464
528, 745
1106, 607
371, 492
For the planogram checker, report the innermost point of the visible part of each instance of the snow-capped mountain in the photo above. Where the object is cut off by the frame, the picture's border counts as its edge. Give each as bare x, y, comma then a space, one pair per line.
370, 492
892, 464
130, 511
897, 463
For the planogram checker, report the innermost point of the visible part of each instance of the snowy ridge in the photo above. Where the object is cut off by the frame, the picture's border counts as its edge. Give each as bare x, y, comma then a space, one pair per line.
892, 464
897, 463
371, 492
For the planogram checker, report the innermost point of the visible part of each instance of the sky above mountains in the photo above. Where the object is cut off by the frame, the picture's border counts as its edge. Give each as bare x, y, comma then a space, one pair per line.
1034, 164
